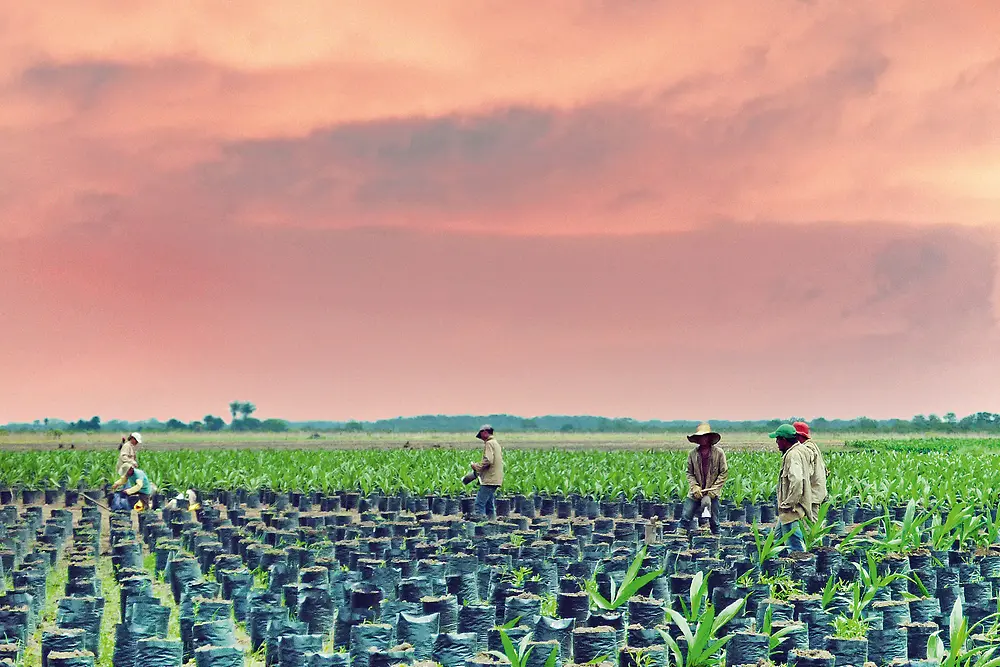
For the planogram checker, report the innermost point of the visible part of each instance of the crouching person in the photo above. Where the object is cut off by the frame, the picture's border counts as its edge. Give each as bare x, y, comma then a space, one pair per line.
707, 471
794, 487
139, 489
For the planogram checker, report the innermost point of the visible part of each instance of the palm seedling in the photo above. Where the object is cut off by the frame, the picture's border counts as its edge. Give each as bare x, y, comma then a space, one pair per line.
630, 585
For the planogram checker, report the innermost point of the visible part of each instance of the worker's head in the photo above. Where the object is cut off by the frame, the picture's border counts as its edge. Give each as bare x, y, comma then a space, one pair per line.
485, 431
801, 431
135, 438
785, 436
704, 436
131, 471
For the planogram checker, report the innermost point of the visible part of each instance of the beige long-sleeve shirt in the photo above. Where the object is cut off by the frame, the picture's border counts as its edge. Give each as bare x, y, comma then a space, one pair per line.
817, 474
794, 489
718, 472
491, 467
126, 459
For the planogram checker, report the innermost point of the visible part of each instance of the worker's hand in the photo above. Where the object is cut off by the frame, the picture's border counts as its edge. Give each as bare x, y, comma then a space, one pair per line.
130, 492
696, 494
477, 467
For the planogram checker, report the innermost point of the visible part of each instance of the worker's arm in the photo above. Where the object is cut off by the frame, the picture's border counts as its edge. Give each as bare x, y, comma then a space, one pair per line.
796, 483
694, 489
721, 479
489, 456
134, 489
120, 482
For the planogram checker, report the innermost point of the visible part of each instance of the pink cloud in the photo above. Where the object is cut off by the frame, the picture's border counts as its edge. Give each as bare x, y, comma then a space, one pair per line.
308, 207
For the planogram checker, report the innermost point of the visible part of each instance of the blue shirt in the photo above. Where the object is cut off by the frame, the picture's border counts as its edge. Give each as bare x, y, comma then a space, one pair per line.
138, 477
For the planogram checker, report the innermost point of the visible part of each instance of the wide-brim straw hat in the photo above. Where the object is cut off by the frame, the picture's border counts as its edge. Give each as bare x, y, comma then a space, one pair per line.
705, 429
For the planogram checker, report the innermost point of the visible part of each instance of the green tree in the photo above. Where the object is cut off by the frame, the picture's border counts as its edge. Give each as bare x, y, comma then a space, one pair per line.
213, 423
234, 409
246, 424
866, 424
247, 409
274, 425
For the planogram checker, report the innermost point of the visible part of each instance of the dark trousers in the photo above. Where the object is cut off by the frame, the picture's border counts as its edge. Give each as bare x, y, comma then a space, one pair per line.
796, 542
692, 507
485, 504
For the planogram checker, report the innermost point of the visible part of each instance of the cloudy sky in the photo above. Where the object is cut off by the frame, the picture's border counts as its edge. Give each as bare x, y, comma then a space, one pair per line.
368, 209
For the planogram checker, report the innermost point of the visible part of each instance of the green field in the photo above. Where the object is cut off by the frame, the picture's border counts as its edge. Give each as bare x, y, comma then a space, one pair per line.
734, 441
866, 471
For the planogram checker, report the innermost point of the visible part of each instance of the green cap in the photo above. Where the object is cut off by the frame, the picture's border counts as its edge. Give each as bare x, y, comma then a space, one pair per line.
785, 431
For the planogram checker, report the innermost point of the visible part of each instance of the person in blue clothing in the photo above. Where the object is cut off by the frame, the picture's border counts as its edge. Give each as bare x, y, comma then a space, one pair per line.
139, 488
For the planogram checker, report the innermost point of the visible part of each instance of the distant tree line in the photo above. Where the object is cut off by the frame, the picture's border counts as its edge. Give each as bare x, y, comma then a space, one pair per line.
241, 420
949, 423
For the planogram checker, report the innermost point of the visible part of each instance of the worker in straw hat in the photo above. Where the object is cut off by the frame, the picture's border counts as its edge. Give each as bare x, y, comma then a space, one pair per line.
707, 471
128, 453
817, 470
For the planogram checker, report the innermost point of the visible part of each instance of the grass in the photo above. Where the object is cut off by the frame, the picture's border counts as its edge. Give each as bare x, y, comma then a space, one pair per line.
112, 610
55, 589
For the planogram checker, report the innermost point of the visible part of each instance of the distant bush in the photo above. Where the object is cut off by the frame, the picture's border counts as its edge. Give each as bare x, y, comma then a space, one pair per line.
274, 425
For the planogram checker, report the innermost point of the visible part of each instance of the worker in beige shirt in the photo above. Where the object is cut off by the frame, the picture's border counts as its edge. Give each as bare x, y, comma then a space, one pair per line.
490, 472
794, 489
817, 474
128, 454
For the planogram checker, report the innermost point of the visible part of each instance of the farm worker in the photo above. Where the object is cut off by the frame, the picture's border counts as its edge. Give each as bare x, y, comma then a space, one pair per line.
707, 471
127, 453
794, 489
490, 472
817, 475
138, 485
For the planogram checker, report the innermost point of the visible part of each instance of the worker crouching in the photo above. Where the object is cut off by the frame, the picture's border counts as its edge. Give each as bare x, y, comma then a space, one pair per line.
138, 492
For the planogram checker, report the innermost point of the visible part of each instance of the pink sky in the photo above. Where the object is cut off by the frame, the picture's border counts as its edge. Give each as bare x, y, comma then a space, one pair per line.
371, 209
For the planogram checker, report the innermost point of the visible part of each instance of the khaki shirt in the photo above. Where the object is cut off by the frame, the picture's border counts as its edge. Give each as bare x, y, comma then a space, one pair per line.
718, 472
492, 463
794, 489
817, 476
126, 459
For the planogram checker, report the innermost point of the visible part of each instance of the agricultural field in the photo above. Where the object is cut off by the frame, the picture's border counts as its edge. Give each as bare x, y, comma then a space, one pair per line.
371, 557
732, 441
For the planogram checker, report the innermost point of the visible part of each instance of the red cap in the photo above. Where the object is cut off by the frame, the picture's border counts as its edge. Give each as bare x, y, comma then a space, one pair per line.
801, 428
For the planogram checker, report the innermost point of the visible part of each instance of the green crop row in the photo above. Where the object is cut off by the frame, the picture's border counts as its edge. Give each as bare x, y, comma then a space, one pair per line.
923, 445
872, 476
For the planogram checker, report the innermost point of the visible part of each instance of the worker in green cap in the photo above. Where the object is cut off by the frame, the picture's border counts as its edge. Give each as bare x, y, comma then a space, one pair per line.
794, 488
